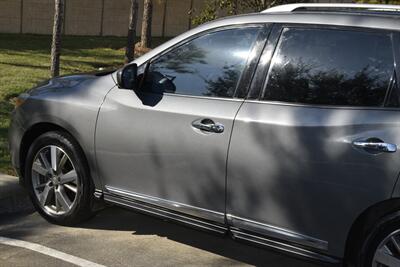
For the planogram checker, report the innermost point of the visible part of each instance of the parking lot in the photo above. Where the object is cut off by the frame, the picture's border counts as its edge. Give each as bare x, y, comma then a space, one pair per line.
116, 237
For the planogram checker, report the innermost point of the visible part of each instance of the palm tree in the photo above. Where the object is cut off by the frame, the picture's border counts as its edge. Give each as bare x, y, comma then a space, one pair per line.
146, 24
130, 48
56, 43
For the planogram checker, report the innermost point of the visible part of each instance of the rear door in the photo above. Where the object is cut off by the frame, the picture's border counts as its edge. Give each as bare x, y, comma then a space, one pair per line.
314, 145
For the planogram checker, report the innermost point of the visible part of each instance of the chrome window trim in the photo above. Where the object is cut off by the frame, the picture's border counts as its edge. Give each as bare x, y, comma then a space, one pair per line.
277, 232
280, 103
210, 215
396, 53
201, 97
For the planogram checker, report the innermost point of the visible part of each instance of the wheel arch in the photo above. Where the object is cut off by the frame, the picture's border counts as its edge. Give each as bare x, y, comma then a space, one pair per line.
33, 132
365, 223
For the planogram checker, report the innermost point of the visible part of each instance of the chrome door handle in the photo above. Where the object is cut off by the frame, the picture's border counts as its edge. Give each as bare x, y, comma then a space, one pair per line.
208, 126
376, 146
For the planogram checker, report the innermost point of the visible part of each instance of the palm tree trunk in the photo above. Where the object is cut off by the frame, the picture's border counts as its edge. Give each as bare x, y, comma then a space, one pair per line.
130, 47
235, 7
146, 24
56, 43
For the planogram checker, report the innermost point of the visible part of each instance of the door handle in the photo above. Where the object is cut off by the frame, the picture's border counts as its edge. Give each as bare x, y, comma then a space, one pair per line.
208, 125
376, 146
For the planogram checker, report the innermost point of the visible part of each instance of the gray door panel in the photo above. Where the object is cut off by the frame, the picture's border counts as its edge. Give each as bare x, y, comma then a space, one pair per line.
167, 143
155, 150
293, 169
296, 168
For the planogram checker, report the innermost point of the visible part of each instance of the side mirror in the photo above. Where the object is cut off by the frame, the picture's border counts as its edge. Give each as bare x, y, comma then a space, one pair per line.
127, 77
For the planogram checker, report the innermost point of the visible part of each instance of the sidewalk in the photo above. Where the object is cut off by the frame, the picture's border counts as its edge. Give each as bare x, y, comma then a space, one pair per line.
13, 198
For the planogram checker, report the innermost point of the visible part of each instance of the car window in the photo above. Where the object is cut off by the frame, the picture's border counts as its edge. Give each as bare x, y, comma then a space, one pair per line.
210, 65
331, 67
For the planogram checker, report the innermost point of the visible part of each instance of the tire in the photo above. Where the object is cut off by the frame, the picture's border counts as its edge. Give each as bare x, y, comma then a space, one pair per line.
58, 180
381, 235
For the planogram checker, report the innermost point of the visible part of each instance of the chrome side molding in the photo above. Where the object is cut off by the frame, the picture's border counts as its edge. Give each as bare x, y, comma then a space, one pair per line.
283, 247
171, 205
278, 233
241, 229
98, 194
162, 213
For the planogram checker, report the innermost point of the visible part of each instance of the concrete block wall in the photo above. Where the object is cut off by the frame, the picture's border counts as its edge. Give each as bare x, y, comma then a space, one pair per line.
83, 17
170, 17
94, 17
37, 16
10, 16
116, 17
157, 27
98, 17
177, 17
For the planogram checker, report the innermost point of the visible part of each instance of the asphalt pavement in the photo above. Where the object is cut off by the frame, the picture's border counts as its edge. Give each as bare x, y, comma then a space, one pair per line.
117, 237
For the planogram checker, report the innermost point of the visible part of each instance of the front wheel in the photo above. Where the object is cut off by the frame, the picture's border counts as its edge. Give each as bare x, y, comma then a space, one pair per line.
58, 179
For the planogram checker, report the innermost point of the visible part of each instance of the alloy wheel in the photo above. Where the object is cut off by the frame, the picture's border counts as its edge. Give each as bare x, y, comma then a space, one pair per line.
55, 180
388, 251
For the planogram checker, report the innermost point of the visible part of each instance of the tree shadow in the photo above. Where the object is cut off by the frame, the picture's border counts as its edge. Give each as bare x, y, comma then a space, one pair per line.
14, 64
117, 219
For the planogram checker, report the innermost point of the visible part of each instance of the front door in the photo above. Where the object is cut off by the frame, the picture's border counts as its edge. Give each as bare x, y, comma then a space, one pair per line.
168, 142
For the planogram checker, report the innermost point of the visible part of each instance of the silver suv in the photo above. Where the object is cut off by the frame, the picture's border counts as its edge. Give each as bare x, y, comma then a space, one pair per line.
280, 128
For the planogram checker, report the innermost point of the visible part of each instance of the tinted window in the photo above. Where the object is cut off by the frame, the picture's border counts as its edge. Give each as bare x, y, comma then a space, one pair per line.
331, 67
210, 65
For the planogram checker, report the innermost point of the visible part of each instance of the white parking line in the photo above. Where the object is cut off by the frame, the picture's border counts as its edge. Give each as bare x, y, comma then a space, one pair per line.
48, 251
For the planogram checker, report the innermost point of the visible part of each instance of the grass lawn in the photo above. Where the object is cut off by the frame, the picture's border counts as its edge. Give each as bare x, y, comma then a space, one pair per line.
25, 61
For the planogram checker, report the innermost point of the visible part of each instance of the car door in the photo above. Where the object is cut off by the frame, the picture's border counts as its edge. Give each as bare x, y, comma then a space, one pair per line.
167, 143
316, 147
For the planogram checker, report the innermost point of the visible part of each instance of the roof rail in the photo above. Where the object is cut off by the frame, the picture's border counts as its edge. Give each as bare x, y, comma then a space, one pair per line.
333, 7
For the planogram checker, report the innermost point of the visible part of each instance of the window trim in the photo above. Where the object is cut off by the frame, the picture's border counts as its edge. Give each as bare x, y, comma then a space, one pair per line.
391, 87
247, 76
263, 67
248, 71
395, 40
396, 53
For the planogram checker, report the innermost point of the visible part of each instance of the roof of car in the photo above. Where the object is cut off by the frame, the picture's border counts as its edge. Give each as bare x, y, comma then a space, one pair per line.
332, 7
338, 18
355, 15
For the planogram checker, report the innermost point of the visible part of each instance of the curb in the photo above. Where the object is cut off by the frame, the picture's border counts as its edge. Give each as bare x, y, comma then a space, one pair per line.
13, 197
